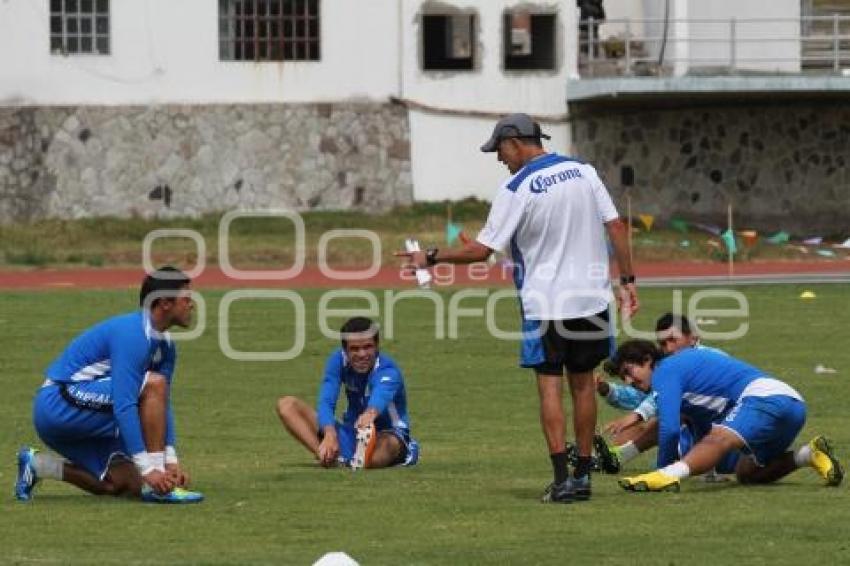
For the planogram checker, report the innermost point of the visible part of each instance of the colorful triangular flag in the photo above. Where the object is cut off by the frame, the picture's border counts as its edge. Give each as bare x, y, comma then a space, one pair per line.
780, 237
648, 220
679, 225
710, 228
453, 232
729, 239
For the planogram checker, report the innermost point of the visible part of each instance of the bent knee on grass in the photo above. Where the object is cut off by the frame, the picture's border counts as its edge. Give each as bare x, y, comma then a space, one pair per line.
288, 406
388, 448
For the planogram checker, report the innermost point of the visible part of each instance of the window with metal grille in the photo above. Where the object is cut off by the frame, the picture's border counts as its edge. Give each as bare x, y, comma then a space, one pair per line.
79, 26
268, 30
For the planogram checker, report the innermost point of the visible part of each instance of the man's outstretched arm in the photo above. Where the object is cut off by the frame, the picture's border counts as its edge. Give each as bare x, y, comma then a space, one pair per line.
627, 298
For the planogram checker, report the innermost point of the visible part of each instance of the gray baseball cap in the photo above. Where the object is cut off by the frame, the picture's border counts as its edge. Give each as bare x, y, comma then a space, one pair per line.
513, 126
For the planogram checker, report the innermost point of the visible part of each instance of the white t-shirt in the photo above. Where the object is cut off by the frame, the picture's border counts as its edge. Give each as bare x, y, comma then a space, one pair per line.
550, 216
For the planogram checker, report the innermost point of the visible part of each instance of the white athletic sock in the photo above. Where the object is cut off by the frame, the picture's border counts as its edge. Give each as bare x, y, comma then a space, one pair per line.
48, 466
803, 456
627, 452
678, 470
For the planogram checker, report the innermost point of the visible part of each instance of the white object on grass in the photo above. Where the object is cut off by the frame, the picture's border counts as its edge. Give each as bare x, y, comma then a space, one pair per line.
820, 368
423, 277
336, 559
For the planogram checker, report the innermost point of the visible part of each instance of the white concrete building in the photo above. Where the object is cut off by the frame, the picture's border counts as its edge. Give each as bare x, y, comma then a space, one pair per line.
161, 52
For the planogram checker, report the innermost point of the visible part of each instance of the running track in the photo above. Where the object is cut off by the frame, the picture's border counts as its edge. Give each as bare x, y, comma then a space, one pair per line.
663, 274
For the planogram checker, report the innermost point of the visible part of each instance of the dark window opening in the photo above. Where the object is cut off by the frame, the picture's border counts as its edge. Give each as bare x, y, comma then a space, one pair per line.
529, 41
448, 42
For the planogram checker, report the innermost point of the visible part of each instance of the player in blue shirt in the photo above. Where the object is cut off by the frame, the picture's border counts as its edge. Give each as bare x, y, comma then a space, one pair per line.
375, 429
749, 411
637, 431
105, 405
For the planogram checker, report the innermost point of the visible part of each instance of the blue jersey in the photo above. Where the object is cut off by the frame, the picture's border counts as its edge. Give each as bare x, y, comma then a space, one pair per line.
121, 349
648, 406
700, 384
381, 389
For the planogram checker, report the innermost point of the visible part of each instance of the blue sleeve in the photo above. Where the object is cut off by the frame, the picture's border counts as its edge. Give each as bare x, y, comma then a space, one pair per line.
166, 366
129, 357
624, 397
329, 391
167, 369
384, 386
669, 401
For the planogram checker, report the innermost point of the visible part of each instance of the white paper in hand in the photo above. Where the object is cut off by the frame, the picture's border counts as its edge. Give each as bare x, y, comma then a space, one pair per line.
423, 277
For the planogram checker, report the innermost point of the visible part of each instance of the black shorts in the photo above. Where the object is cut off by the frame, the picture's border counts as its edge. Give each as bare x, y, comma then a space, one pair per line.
576, 344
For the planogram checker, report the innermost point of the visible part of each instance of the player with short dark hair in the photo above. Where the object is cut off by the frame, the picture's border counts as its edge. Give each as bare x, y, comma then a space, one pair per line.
553, 213
375, 429
105, 405
750, 412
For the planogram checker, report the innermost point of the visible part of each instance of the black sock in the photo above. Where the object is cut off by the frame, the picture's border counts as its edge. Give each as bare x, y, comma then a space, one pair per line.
583, 466
559, 466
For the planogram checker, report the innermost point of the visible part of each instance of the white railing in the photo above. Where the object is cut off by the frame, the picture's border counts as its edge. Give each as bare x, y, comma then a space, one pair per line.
655, 47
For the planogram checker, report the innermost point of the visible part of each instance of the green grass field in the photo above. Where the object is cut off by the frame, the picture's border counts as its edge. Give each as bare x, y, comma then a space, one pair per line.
474, 497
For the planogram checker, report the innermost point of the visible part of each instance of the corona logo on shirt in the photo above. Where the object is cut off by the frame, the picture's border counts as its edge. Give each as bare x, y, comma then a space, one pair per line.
541, 183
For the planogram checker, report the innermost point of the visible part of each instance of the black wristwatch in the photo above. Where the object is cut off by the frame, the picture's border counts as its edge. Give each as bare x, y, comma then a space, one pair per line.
431, 256
627, 279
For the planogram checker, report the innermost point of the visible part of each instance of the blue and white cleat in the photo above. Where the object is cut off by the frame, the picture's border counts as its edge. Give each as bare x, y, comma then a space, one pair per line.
178, 495
27, 478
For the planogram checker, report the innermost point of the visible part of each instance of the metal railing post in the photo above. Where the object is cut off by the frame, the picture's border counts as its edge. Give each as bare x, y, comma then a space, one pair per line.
836, 60
732, 45
628, 47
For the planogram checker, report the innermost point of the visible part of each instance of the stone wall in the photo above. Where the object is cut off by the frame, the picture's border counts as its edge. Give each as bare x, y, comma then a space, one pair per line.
782, 166
164, 161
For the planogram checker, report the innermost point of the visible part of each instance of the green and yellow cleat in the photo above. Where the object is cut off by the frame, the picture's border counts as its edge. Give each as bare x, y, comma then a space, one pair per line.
176, 496
825, 462
653, 481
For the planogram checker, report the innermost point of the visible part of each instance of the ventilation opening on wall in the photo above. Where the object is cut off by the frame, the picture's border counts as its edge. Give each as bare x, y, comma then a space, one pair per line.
529, 41
448, 42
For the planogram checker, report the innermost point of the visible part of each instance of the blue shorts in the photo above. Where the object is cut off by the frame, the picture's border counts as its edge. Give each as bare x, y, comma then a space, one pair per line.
88, 437
347, 436
767, 425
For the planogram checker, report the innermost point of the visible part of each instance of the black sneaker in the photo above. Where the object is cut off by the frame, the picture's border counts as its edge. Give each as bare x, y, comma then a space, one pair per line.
572, 457
580, 488
607, 459
569, 491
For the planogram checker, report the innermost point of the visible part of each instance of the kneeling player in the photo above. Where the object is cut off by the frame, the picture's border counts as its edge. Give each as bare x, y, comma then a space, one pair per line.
375, 430
106, 404
751, 412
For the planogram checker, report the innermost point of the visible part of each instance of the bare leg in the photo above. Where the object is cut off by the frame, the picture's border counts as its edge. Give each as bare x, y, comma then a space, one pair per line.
648, 437
551, 389
152, 407
706, 453
583, 392
121, 479
300, 421
387, 449
748, 472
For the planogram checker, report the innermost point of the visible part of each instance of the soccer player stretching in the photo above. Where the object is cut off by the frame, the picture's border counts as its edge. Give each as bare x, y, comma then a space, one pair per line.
105, 406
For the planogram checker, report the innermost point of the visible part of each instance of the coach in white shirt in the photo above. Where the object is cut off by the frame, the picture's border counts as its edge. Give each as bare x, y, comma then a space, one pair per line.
552, 213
